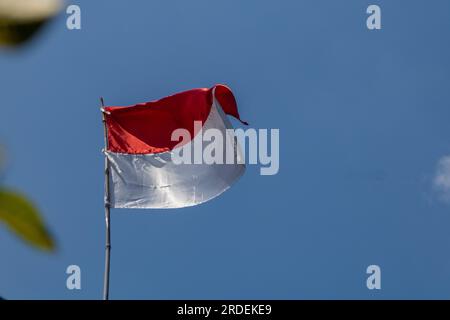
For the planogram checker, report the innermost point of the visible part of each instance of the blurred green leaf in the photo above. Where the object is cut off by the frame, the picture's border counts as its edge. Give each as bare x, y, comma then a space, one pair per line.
21, 19
22, 218
15, 32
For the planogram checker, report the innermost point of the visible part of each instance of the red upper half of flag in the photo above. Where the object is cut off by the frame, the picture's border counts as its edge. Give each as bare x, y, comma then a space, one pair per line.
147, 127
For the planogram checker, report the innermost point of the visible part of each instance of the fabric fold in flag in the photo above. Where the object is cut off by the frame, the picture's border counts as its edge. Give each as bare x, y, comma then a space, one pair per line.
140, 152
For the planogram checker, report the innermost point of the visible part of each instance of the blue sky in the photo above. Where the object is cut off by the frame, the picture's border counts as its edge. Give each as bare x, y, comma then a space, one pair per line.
363, 118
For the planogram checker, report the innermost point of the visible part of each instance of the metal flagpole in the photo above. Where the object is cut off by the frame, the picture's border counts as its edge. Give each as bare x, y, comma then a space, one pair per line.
107, 213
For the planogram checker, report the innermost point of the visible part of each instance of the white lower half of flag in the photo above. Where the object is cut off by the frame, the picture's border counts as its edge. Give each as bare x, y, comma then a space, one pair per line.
155, 181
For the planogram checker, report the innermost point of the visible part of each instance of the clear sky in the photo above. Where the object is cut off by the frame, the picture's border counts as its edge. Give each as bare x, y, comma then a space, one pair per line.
364, 118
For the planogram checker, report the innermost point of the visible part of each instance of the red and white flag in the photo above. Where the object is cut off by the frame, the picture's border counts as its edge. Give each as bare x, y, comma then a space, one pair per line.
140, 149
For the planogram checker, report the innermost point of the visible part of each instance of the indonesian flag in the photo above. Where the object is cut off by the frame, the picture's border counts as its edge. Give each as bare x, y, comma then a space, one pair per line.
141, 149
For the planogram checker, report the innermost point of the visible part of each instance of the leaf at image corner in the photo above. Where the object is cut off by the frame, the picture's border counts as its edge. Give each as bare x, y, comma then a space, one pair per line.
21, 19
23, 219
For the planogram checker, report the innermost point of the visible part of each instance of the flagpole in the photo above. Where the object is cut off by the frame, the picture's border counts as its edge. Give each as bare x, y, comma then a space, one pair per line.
107, 213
